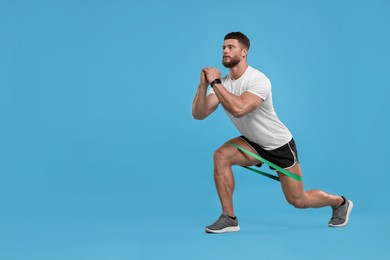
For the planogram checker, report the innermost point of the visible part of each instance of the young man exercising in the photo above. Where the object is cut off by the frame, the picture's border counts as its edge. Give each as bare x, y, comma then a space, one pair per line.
246, 96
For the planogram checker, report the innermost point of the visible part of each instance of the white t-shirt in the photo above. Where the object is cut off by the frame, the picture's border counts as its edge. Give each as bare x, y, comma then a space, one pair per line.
262, 125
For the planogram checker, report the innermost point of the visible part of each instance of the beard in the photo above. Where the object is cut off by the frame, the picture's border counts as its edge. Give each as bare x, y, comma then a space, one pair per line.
232, 62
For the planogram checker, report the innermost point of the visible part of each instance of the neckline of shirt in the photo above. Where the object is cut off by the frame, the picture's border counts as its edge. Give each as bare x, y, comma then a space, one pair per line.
235, 80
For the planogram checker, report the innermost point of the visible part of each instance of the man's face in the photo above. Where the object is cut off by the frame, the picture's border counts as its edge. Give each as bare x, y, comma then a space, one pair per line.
233, 53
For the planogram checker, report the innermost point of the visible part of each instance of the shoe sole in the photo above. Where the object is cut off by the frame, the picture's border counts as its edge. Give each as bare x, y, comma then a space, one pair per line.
224, 230
347, 218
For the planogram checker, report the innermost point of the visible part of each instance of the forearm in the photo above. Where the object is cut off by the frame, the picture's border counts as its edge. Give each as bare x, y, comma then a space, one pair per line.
199, 105
230, 102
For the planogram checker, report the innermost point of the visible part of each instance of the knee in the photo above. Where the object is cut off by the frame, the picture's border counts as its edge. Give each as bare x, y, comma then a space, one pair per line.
220, 157
297, 202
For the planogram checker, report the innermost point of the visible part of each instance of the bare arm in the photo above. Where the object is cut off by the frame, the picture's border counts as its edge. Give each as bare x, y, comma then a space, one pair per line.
203, 105
238, 106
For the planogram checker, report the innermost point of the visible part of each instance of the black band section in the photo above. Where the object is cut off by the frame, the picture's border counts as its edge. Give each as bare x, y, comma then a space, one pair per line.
215, 81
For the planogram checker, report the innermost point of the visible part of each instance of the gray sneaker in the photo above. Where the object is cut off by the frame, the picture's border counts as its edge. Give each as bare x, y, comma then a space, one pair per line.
340, 214
224, 224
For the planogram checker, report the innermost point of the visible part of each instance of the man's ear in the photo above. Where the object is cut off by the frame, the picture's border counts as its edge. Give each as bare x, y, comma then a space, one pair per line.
244, 52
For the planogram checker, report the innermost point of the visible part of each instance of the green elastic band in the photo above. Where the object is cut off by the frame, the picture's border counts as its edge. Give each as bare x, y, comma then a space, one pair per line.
285, 172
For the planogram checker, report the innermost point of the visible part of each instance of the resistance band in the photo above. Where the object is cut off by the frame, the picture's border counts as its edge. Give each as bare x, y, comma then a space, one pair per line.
285, 172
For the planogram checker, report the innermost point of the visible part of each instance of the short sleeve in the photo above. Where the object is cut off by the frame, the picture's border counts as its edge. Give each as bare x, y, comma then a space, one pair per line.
211, 91
260, 86
223, 79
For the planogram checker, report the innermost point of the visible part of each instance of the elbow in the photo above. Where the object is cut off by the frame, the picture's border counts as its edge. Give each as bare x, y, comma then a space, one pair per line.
198, 116
238, 113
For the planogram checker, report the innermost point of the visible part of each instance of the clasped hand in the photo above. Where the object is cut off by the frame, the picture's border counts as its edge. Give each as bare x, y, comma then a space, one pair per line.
208, 75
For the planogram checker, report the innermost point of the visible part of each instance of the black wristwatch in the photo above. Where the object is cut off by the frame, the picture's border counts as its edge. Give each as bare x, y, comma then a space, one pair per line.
215, 81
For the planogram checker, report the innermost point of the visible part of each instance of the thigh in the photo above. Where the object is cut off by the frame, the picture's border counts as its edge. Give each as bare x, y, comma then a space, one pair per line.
292, 188
235, 156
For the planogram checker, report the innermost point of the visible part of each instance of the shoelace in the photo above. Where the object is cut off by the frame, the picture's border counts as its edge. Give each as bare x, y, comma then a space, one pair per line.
221, 220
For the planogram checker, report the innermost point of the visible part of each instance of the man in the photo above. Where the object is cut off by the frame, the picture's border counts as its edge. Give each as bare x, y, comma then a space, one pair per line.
245, 94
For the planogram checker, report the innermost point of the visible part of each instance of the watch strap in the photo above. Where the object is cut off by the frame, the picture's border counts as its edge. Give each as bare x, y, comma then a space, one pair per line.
215, 81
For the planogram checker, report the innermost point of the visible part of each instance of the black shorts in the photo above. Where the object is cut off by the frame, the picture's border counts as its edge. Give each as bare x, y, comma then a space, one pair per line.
285, 156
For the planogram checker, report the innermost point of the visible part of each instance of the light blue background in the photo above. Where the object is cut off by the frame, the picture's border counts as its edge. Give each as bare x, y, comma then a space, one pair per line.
100, 157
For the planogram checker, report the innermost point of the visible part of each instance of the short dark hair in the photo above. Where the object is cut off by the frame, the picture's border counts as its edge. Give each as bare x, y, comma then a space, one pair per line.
240, 37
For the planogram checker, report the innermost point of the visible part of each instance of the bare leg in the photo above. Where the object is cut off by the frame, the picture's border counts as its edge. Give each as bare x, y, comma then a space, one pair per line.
224, 158
295, 195
224, 182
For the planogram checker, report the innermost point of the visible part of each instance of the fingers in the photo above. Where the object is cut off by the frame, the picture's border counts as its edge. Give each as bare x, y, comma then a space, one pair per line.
211, 73
208, 69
